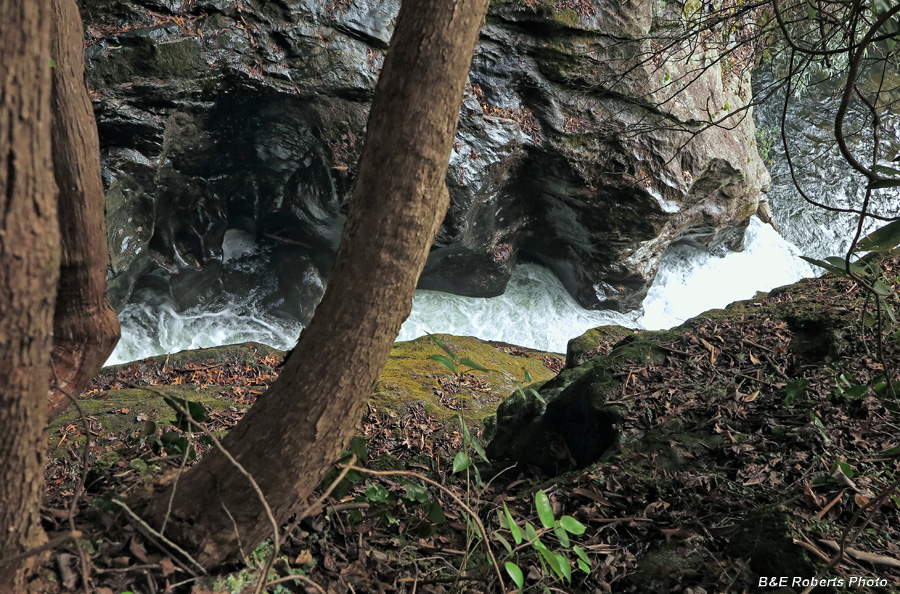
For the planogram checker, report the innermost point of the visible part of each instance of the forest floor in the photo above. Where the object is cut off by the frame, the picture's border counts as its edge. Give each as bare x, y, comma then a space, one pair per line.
760, 437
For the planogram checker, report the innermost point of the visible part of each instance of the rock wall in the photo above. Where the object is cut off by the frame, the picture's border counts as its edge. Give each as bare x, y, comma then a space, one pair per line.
246, 118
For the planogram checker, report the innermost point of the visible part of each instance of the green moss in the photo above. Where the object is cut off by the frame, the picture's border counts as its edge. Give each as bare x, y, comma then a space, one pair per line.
565, 17
766, 540
118, 66
411, 377
665, 567
177, 59
579, 349
671, 446
122, 412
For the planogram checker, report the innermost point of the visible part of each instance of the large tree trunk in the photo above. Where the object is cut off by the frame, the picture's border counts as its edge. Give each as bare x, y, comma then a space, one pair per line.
29, 264
296, 430
85, 327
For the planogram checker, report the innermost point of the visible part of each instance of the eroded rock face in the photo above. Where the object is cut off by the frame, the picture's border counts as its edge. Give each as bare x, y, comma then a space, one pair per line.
249, 117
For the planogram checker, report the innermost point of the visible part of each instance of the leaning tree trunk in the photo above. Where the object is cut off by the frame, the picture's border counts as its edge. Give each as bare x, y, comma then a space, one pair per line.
29, 264
296, 430
85, 327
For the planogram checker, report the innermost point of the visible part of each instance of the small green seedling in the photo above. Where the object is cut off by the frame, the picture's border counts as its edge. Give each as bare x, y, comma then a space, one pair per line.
458, 366
558, 563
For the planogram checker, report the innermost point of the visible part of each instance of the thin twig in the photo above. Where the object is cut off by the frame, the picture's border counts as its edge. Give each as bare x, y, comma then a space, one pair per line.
299, 578
276, 540
847, 538
453, 496
321, 500
184, 459
50, 544
82, 479
142, 524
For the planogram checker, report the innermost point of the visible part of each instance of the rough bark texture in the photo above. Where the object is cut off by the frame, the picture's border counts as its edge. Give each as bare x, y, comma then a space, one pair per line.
29, 264
85, 328
296, 430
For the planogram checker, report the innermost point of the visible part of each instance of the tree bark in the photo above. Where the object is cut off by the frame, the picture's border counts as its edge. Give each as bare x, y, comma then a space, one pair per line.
296, 430
85, 327
29, 265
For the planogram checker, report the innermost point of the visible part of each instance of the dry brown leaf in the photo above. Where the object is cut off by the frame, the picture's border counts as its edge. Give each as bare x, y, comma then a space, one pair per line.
166, 566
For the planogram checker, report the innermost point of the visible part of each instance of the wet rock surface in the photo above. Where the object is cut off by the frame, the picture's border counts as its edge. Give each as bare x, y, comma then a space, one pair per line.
219, 116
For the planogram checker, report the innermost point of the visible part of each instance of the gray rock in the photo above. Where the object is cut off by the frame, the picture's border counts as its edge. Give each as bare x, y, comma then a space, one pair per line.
568, 151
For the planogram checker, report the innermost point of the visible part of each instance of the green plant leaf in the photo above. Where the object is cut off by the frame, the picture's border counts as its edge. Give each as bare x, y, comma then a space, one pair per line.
445, 361
893, 452
582, 556
443, 346
841, 263
551, 558
461, 461
499, 538
436, 513
537, 395
545, 512
515, 574
564, 566
572, 525
464, 430
416, 492
173, 443
885, 238
828, 267
473, 365
195, 409
794, 390
857, 391
562, 536
358, 447
512, 526
528, 379
881, 184
885, 170
882, 288
479, 450
584, 566
846, 469
376, 493
138, 465
530, 532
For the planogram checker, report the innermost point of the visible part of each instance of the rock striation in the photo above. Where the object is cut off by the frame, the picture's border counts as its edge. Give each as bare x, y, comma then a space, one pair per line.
222, 119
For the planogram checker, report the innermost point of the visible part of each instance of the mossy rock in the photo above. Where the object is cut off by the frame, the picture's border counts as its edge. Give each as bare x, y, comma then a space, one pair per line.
765, 538
596, 341
177, 59
122, 412
665, 567
408, 377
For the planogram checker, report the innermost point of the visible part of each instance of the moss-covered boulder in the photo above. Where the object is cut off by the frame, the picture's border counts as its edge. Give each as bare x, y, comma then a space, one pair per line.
596, 341
733, 435
566, 423
123, 398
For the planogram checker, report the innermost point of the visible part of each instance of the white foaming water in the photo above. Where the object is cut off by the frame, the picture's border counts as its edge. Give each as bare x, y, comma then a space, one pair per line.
691, 281
536, 311
149, 330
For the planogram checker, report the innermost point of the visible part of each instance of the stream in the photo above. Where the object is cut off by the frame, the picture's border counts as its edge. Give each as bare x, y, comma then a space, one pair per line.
537, 312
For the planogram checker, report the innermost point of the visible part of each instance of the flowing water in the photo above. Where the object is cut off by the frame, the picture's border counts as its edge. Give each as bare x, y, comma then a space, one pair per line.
536, 311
